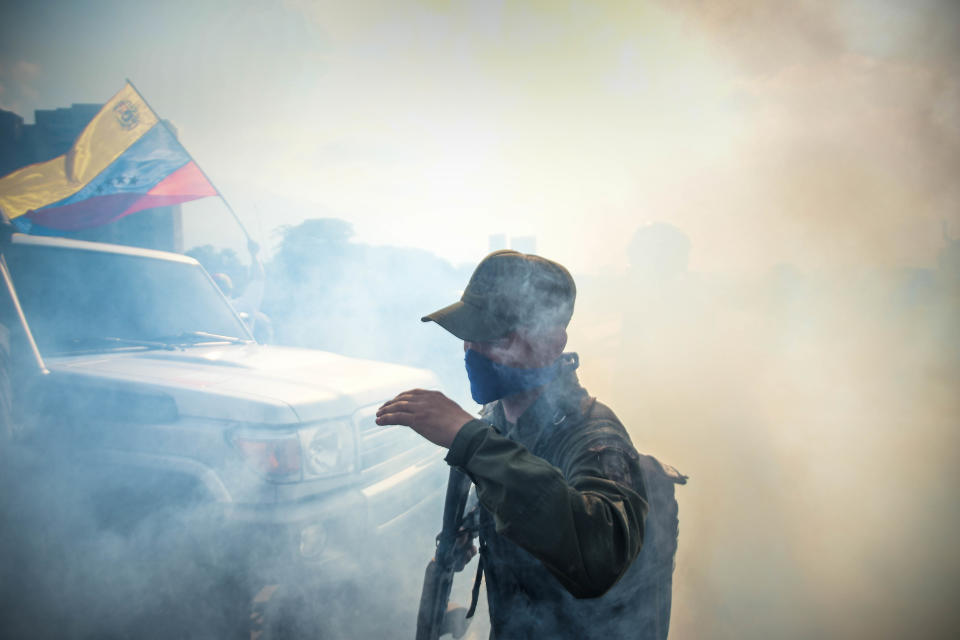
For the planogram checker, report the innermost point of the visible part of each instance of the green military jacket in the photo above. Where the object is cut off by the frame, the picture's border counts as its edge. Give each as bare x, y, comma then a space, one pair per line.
563, 507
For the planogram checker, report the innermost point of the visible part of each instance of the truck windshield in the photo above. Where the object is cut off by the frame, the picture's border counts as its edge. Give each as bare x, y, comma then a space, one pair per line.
80, 301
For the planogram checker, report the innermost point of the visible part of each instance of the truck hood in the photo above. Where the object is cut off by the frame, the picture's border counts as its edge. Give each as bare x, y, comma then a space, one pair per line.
248, 383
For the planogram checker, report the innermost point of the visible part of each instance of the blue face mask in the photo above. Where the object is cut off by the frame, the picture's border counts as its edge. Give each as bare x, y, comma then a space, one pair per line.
491, 381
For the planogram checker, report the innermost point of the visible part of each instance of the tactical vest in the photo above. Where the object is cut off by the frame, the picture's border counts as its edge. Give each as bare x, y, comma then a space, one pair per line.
526, 601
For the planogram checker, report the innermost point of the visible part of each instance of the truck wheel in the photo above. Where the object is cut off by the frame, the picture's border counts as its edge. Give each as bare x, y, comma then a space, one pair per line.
343, 610
290, 612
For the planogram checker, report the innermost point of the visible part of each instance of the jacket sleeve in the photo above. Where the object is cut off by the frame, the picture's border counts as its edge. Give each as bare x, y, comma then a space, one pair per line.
586, 527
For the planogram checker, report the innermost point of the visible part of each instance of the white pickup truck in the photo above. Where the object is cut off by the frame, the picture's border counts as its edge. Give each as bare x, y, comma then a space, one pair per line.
133, 370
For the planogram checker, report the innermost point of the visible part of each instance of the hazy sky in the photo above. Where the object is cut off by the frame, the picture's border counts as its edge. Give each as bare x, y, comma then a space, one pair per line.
821, 133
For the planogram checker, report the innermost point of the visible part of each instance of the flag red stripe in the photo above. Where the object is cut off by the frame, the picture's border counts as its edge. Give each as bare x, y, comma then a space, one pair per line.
185, 184
187, 180
84, 214
150, 201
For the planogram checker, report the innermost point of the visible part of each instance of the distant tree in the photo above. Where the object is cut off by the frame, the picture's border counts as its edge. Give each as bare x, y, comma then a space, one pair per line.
305, 277
328, 292
311, 244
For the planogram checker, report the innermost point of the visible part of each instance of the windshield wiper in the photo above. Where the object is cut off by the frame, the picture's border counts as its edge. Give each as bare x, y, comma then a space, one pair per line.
141, 343
107, 343
195, 337
218, 337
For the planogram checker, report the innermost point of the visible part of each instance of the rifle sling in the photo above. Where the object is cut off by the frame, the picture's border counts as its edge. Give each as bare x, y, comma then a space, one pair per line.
475, 593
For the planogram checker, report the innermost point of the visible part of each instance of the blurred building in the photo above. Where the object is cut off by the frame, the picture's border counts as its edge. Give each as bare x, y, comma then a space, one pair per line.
52, 135
523, 244
497, 241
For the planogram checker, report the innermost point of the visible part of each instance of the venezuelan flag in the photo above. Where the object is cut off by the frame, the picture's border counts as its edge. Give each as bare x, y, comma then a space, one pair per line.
124, 161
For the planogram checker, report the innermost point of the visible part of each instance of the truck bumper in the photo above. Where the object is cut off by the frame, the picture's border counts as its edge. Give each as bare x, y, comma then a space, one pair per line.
388, 525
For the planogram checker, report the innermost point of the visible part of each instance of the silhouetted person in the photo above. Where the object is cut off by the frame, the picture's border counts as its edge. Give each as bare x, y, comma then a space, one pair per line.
248, 303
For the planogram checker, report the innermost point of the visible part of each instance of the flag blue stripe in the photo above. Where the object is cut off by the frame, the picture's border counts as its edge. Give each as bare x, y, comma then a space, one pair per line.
149, 160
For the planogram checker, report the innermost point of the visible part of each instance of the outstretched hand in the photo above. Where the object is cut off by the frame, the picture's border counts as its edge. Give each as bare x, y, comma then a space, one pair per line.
430, 413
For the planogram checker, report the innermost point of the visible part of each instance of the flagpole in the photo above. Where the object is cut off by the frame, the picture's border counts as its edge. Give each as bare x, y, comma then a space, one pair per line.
197, 164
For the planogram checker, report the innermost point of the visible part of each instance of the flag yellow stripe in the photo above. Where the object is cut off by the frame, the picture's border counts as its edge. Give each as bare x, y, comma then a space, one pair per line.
35, 186
118, 125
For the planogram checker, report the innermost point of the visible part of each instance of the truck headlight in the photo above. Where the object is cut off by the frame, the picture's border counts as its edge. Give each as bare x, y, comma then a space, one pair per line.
275, 456
329, 449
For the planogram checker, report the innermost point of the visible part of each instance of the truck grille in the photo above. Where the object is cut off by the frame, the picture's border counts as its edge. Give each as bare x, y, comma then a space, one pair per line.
399, 469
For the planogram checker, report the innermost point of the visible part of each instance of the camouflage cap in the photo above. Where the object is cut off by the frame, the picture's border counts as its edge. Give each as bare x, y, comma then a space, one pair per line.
507, 290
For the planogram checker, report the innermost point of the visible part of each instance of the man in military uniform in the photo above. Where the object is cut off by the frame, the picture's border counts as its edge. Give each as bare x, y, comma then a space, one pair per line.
562, 489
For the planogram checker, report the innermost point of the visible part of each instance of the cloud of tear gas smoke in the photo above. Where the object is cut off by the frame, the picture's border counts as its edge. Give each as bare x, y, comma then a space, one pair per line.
812, 404
851, 130
815, 412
